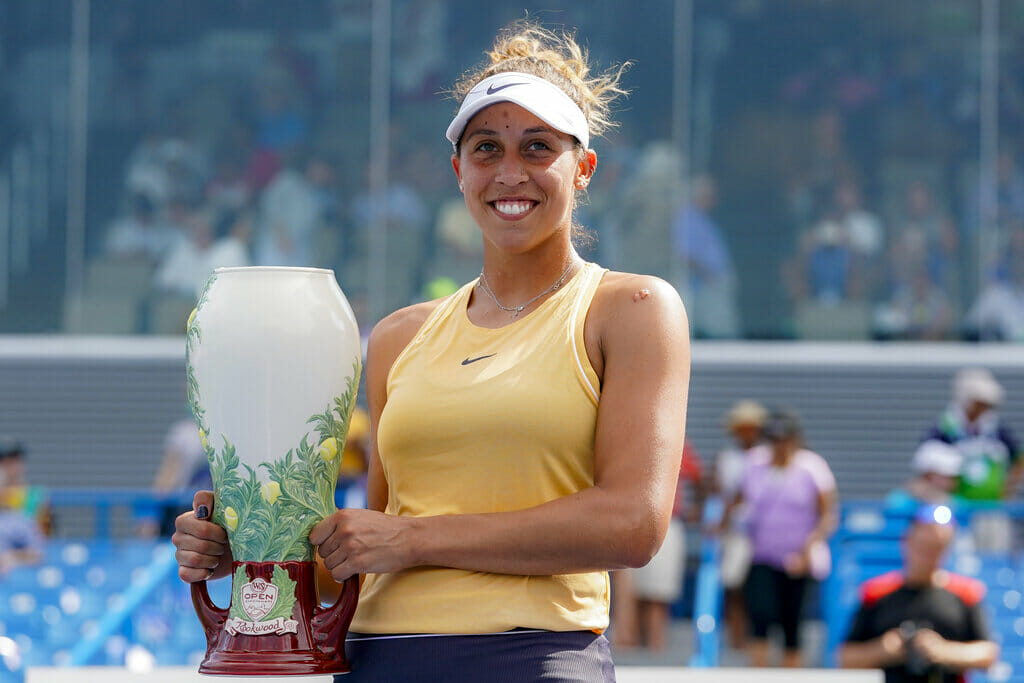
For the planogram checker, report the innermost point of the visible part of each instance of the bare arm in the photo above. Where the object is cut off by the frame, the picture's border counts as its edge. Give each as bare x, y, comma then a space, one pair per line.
619, 522
957, 656
1013, 479
827, 517
886, 650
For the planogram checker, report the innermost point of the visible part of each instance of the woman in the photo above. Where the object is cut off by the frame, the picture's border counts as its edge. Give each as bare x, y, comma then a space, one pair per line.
526, 430
790, 497
743, 424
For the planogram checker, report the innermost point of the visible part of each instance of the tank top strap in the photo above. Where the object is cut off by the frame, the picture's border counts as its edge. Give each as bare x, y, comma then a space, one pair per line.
437, 317
589, 281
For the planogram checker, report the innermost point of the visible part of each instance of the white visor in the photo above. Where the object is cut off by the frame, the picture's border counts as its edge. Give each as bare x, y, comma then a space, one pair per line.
540, 97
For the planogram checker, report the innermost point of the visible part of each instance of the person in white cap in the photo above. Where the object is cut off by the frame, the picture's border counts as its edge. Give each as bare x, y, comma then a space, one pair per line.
992, 466
992, 463
936, 473
526, 431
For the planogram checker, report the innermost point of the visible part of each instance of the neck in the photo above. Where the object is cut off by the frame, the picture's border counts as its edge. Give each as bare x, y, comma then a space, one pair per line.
514, 279
781, 456
922, 577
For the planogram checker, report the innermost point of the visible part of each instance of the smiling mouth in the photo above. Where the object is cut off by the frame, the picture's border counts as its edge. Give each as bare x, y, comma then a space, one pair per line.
513, 208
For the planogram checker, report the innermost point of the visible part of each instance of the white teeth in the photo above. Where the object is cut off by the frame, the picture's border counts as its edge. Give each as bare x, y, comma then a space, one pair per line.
513, 208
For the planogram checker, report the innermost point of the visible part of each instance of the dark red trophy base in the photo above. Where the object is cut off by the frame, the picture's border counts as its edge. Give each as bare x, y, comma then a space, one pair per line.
318, 646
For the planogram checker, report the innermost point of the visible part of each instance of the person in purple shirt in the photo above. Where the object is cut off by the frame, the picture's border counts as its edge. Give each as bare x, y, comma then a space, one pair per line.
790, 496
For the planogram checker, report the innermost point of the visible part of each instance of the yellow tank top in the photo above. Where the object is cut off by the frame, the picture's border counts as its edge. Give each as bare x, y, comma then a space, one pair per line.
489, 420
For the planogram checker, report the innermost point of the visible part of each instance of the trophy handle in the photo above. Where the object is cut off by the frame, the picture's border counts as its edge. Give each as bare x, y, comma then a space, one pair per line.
330, 624
210, 616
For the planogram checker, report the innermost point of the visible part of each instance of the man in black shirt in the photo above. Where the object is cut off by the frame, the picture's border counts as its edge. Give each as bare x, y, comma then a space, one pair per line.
921, 624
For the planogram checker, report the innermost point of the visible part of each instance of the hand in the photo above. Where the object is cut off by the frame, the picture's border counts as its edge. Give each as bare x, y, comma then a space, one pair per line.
930, 645
201, 547
355, 541
797, 564
894, 646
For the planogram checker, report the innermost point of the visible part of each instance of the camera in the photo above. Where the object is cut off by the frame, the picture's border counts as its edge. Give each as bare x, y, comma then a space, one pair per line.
915, 663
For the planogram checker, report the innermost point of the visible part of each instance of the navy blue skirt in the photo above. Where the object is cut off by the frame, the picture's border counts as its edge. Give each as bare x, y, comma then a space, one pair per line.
513, 657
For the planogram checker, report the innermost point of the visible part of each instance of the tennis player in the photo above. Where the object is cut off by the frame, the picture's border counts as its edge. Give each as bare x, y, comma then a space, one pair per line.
526, 430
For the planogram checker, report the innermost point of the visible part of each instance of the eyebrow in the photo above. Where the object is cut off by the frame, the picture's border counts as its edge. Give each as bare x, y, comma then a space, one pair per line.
528, 131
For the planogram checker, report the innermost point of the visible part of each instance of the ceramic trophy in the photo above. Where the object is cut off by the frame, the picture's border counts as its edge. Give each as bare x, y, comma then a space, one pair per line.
273, 359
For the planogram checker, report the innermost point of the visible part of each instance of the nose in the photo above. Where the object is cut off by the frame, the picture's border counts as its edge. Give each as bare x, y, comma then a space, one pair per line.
511, 171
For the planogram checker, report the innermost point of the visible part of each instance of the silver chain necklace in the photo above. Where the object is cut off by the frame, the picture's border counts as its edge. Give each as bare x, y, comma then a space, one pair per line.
516, 310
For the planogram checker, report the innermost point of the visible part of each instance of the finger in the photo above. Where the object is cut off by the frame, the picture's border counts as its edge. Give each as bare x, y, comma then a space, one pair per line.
190, 575
340, 566
195, 544
206, 531
322, 531
188, 559
201, 499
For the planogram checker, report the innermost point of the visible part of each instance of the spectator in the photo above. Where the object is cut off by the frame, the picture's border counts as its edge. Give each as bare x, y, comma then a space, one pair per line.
16, 493
992, 462
791, 497
710, 289
921, 624
830, 264
21, 539
183, 469
292, 209
925, 238
863, 228
743, 424
644, 597
141, 233
919, 309
998, 312
184, 271
936, 466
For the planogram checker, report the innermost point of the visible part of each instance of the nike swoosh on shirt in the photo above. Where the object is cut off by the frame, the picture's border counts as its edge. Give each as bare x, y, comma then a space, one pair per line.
473, 360
492, 89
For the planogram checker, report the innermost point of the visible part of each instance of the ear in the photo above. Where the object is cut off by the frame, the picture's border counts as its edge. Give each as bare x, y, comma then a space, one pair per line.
585, 169
455, 167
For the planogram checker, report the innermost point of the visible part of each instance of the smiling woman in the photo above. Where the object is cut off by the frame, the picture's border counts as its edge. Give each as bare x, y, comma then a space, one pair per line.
527, 429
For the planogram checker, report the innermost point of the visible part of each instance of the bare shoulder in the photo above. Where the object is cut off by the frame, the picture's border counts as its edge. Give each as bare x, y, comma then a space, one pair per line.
629, 297
394, 332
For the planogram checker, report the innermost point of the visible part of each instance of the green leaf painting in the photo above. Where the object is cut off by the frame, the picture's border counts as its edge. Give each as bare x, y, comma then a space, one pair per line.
194, 335
270, 521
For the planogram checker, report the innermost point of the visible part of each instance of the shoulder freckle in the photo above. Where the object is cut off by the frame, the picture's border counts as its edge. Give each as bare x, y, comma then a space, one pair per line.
641, 294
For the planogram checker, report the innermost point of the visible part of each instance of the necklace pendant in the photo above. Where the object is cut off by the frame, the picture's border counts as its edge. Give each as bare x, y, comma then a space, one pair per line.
516, 311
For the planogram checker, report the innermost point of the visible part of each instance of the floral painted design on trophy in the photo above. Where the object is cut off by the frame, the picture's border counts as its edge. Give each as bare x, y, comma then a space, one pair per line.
270, 521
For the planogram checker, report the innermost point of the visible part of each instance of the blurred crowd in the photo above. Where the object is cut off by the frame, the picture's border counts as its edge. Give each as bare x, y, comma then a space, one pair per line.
836, 197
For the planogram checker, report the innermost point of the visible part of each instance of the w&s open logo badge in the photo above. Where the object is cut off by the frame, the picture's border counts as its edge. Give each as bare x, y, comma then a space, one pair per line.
260, 607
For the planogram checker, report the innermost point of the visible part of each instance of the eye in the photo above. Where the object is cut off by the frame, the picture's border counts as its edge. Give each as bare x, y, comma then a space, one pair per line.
486, 146
538, 146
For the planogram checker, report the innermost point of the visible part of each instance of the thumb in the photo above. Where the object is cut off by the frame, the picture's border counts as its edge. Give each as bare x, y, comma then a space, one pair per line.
202, 504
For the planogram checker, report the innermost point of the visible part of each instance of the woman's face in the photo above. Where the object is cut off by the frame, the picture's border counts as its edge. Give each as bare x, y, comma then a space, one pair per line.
519, 176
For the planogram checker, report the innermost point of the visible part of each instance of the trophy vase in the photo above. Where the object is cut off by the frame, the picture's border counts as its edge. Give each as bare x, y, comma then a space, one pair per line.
273, 359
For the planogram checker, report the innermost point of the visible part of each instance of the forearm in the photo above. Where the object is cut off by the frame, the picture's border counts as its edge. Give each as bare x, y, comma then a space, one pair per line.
977, 654
591, 530
1013, 480
886, 650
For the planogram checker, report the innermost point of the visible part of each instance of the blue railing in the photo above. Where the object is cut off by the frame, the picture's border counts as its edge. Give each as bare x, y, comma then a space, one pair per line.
104, 501
707, 600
